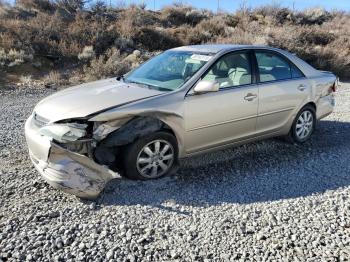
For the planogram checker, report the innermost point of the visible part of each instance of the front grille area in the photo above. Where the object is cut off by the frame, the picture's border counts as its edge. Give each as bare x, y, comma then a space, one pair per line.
40, 121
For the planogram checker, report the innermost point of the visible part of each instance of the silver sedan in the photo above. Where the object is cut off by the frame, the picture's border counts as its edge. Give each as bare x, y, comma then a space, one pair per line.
185, 101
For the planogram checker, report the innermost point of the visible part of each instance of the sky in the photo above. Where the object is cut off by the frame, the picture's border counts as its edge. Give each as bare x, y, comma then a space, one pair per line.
232, 5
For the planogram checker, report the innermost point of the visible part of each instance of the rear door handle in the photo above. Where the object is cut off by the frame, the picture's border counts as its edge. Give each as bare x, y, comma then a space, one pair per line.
250, 97
301, 87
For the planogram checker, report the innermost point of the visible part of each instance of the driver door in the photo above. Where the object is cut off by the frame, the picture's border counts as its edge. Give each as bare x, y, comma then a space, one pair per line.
217, 118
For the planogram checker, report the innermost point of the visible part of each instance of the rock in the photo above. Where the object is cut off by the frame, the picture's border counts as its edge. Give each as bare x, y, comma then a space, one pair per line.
260, 236
264, 201
110, 254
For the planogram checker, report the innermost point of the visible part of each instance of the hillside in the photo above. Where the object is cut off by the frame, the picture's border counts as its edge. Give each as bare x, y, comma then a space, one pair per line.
63, 43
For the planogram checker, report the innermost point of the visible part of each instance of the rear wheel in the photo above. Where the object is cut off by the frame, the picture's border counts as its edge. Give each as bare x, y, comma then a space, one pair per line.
151, 156
303, 125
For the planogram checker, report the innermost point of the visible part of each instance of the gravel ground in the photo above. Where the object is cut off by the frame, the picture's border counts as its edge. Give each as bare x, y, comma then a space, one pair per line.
263, 201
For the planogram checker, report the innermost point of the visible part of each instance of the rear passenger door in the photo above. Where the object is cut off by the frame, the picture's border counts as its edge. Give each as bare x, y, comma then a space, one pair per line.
282, 89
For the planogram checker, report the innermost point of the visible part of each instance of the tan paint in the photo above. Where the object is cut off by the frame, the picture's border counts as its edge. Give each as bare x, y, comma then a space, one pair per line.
201, 122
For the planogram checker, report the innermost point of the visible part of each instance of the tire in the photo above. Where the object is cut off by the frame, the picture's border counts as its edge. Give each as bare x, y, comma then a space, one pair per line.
139, 162
301, 132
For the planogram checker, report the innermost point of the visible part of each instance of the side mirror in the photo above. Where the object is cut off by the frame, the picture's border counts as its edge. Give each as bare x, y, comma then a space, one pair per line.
205, 86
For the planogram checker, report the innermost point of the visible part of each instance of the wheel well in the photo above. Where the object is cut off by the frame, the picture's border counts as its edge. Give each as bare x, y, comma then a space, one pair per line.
105, 152
167, 128
311, 104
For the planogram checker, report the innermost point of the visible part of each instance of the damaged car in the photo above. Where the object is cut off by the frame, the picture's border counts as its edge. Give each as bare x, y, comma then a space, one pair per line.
185, 101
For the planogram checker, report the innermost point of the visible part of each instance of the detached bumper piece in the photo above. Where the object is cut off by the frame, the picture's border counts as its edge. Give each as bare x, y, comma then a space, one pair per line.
73, 173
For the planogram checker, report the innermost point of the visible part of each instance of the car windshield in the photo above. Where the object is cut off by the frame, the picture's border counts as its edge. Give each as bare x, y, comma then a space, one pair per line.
169, 70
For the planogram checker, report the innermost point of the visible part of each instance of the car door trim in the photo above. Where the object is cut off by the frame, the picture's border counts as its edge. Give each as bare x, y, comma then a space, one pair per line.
277, 111
222, 123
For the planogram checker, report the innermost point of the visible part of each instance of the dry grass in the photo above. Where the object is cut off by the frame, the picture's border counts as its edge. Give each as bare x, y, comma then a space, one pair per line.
99, 42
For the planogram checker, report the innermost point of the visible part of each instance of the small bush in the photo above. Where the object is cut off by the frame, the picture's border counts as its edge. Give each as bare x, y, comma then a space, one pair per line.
87, 54
99, 7
26, 80
71, 6
14, 57
153, 39
313, 16
180, 15
109, 64
37, 5
207, 31
316, 37
54, 79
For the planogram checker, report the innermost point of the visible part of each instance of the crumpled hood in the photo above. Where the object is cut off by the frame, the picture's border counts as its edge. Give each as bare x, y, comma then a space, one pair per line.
86, 99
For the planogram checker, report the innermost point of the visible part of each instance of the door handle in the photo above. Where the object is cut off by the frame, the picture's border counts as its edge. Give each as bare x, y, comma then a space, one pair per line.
250, 97
301, 87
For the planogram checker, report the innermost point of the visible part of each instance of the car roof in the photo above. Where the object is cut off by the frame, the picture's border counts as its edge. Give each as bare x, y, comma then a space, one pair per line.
215, 48
307, 69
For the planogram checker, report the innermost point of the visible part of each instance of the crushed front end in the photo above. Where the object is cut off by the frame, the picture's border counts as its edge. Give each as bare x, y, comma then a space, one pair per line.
62, 154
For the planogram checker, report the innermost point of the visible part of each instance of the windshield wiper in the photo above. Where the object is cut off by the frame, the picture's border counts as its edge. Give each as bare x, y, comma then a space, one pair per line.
163, 88
138, 83
160, 88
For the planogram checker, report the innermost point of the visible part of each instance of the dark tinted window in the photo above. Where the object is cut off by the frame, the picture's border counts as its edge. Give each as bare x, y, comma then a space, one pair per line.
296, 73
231, 70
272, 67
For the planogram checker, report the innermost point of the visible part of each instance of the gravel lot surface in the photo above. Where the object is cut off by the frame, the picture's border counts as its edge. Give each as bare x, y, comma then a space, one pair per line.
263, 201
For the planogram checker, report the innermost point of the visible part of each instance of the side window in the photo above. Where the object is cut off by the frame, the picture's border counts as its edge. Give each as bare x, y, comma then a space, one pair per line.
296, 73
231, 70
272, 67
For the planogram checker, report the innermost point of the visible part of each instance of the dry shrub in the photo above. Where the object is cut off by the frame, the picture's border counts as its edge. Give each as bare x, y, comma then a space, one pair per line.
177, 15
7, 41
14, 57
109, 64
153, 39
99, 7
272, 14
313, 16
207, 30
98, 41
134, 18
315, 36
71, 5
37, 5
26, 80
54, 79
87, 53
92, 30
321, 49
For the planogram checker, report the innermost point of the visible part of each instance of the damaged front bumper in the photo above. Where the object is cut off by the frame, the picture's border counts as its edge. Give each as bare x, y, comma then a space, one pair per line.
63, 169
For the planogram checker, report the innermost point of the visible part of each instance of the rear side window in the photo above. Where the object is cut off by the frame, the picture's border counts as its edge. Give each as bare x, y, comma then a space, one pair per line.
273, 67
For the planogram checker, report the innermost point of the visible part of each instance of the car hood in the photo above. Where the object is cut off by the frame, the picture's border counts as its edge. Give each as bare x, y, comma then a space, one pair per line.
86, 99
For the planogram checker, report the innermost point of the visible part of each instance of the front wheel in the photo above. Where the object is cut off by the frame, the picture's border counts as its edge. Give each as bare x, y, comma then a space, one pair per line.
303, 125
150, 157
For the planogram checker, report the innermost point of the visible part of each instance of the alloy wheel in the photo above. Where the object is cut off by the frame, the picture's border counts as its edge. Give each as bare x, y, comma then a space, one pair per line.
304, 125
155, 159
